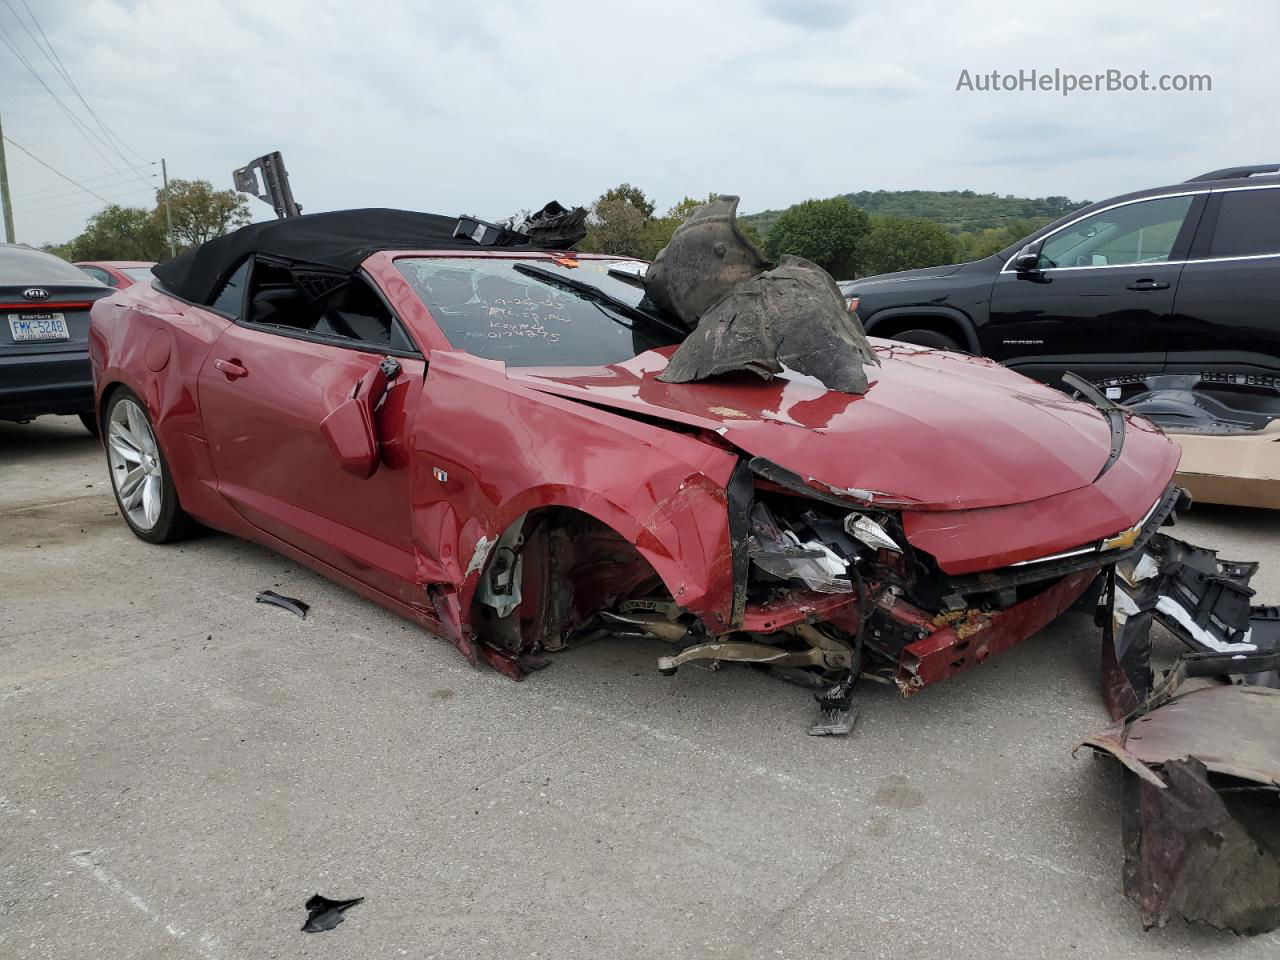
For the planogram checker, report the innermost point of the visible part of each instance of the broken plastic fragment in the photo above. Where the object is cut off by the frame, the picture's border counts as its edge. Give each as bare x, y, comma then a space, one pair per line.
815, 564
325, 914
288, 603
869, 532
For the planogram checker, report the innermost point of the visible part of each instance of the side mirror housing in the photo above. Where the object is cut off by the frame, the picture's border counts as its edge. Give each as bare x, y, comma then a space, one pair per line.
349, 430
1027, 260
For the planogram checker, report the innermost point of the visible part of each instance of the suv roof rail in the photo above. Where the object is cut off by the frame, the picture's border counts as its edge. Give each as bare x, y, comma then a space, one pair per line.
1235, 173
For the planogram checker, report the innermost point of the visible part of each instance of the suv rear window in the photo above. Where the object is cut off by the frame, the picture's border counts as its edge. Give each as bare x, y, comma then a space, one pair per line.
1248, 224
488, 308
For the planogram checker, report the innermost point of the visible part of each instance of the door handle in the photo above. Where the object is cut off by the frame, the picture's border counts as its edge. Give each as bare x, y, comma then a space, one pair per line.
1148, 285
231, 369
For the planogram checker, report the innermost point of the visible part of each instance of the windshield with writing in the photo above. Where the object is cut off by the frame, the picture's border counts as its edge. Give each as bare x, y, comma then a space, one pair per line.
488, 308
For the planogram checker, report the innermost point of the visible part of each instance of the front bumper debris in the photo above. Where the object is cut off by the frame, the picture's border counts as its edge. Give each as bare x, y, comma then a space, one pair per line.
968, 638
1200, 804
1200, 747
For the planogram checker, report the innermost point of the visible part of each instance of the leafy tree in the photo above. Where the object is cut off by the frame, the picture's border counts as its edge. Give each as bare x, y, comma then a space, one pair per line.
200, 212
900, 243
749, 231
960, 211
633, 195
134, 233
119, 233
829, 232
658, 230
622, 223
983, 243
616, 226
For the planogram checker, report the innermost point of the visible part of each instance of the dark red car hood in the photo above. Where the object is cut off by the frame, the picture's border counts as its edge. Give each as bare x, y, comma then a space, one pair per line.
935, 430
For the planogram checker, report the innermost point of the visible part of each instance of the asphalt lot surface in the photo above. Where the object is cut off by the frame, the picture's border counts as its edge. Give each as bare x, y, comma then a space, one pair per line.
182, 768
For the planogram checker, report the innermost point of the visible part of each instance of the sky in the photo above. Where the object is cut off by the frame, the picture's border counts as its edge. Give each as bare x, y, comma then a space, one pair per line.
489, 106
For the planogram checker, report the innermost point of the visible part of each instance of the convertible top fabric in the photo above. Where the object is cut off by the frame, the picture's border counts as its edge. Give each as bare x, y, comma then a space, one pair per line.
341, 239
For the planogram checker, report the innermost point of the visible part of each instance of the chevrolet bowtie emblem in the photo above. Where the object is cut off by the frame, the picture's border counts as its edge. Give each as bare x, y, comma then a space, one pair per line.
1123, 540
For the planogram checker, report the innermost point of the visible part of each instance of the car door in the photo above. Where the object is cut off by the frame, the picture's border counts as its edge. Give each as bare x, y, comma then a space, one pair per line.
1227, 310
1101, 299
268, 383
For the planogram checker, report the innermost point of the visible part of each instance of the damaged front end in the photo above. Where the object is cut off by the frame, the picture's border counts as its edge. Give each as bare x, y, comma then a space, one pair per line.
828, 589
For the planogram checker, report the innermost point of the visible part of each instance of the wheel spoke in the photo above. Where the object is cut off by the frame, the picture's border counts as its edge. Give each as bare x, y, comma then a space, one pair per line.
130, 482
136, 427
151, 500
123, 450
135, 496
123, 442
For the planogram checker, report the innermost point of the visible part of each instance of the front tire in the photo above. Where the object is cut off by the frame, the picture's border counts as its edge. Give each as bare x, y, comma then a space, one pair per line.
929, 338
140, 475
90, 423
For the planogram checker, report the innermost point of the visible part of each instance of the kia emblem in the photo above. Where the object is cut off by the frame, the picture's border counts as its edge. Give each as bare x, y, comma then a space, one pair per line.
36, 293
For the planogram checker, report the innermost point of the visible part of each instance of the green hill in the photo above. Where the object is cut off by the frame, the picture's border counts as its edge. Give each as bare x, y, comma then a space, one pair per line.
960, 211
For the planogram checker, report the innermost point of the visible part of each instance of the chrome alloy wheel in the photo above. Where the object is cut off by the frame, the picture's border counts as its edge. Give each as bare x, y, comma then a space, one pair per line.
136, 471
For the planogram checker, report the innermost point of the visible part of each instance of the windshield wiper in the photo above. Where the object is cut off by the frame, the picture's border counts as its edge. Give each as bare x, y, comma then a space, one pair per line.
1113, 413
593, 293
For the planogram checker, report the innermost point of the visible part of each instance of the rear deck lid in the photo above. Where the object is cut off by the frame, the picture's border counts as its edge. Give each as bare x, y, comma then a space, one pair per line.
44, 302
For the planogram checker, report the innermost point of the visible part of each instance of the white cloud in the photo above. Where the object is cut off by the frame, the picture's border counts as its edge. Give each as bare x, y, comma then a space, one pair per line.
488, 107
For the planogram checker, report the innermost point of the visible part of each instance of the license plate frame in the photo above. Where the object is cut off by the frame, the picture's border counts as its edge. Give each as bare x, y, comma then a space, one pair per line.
43, 327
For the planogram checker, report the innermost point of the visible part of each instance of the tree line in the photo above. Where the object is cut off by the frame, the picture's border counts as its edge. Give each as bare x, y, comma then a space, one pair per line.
846, 239
198, 211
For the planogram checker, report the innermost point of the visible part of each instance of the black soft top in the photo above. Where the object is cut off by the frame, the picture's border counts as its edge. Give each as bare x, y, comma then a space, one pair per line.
341, 239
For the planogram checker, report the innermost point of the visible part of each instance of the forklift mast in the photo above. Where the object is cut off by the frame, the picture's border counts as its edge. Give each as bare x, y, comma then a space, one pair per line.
267, 179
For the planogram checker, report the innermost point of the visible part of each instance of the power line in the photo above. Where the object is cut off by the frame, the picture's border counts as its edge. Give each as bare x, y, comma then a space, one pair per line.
40, 195
56, 61
79, 124
80, 203
51, 167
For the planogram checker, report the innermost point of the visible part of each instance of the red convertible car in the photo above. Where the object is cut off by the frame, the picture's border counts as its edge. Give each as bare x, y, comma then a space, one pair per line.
475, 437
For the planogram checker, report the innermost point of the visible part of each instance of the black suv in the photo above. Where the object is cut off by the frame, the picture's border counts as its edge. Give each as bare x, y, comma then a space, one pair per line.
1179, 279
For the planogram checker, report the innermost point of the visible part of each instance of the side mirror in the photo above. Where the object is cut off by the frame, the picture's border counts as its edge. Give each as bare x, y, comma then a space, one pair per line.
1027, 259
349, 429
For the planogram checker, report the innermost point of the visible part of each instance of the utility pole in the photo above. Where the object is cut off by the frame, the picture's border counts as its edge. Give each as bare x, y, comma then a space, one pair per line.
168, 214
4, 193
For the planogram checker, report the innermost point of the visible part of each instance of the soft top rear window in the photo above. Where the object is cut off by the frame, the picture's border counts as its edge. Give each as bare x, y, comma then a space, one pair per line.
489, 308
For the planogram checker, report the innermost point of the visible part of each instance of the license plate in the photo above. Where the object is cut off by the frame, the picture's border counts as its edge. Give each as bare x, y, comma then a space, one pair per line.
38, 326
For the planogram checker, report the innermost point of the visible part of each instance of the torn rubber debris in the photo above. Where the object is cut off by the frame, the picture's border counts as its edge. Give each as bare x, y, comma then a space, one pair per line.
325, 914
746, 317
289, 603
706, 257
791, 317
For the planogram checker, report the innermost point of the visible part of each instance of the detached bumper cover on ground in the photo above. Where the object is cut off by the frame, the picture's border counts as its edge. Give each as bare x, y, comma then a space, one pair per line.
1201, 746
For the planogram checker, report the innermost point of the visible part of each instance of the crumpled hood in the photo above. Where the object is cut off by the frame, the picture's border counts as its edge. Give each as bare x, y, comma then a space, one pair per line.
935, 430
